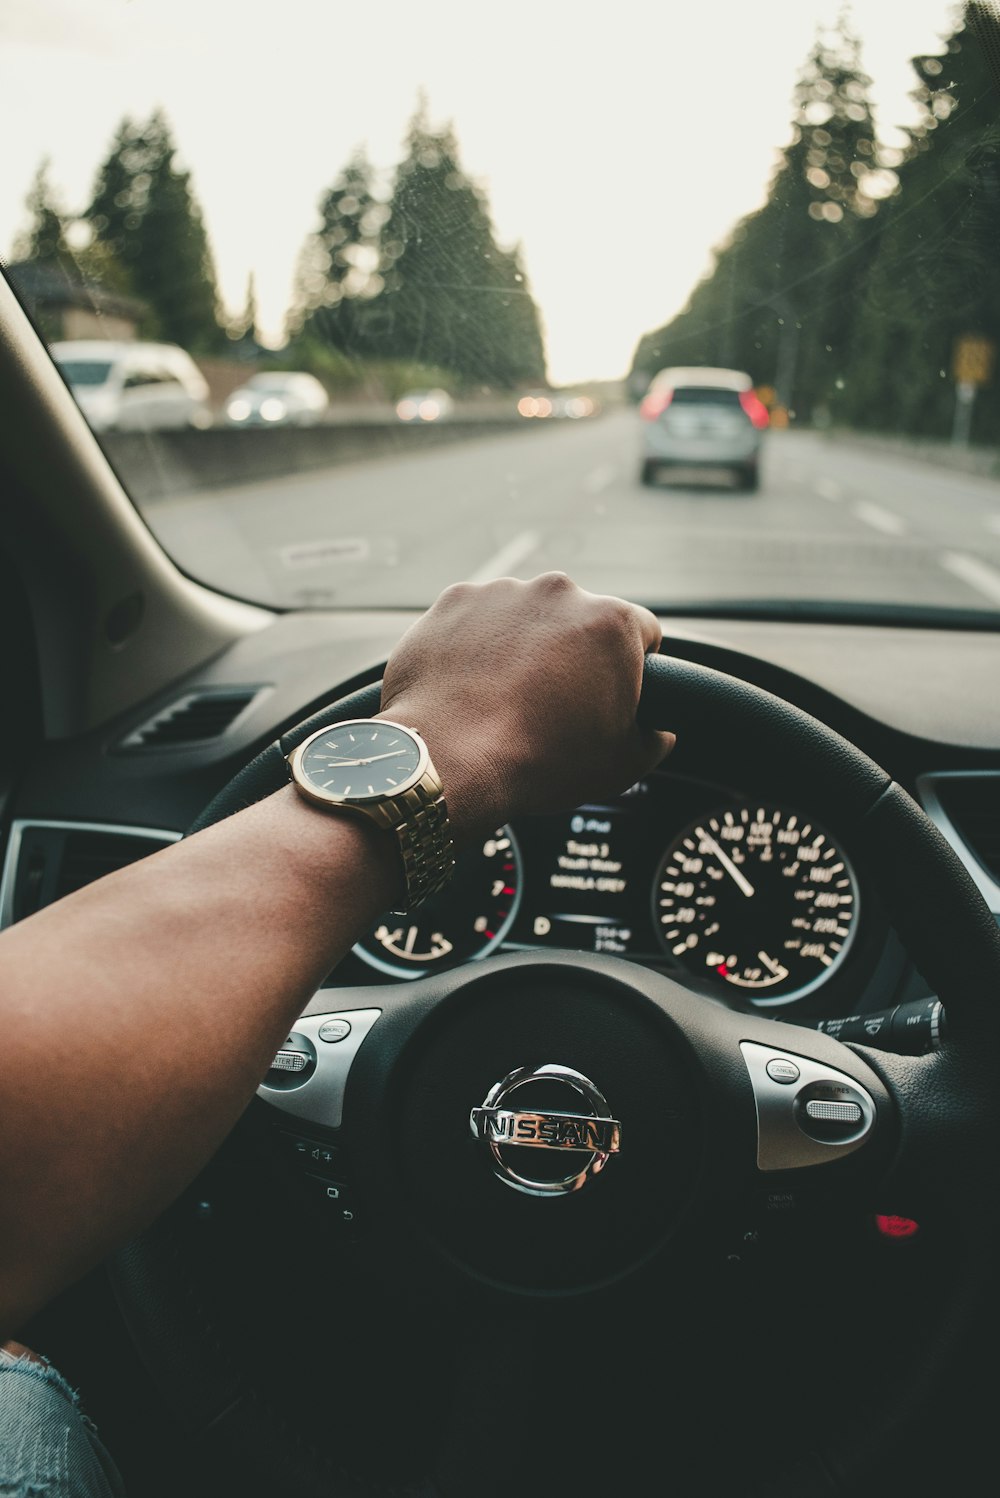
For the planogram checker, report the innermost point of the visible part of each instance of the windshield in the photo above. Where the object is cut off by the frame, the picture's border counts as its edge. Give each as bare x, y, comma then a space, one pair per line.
699, 304
85, 371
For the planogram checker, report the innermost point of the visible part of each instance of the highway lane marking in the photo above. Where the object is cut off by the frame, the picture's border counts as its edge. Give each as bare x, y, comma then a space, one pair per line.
829, 489
879, 519
503, 562
317, 553
600, 478
977, 574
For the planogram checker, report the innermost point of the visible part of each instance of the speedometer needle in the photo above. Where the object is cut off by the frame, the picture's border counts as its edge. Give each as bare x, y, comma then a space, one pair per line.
711, 846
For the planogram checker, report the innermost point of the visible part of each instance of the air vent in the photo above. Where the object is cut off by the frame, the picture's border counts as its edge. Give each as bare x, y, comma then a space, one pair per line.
972, 803
47, 860
191, 719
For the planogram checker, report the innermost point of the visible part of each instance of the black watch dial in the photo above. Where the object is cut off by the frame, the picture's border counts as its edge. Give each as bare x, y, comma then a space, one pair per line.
360, 761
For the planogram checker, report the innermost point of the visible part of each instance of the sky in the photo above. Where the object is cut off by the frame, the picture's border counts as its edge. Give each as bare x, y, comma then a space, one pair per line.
617, 140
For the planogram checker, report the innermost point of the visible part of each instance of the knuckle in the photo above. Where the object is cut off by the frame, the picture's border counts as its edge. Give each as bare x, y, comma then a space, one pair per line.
555, 582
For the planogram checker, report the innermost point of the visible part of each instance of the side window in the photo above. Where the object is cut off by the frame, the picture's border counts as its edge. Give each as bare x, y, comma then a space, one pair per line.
142, 376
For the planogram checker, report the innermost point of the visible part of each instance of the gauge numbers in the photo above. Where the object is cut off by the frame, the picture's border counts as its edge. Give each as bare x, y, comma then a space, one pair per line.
468, 919
758, 898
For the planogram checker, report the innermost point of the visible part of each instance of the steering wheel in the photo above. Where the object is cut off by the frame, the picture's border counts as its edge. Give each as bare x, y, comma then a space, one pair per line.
623, 1206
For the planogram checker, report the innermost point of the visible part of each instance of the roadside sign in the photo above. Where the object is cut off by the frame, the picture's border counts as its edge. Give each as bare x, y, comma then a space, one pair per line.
972, 359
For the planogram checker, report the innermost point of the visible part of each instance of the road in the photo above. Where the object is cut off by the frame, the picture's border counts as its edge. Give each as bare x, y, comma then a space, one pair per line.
833, 521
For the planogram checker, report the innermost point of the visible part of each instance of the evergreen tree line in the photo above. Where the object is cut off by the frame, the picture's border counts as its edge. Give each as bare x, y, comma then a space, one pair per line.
419, 279
849, 290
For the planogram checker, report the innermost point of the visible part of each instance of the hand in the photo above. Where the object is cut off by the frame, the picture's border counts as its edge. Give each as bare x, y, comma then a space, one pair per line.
526, 693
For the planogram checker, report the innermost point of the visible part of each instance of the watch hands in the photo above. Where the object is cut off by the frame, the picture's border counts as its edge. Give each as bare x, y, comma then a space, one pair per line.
338, 763
711, 846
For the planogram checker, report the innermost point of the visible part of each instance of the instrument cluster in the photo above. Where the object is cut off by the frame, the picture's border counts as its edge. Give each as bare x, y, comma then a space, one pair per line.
727, 893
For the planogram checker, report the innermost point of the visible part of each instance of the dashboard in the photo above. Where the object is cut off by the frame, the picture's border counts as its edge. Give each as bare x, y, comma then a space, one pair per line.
726, 884
723, 884
749, 898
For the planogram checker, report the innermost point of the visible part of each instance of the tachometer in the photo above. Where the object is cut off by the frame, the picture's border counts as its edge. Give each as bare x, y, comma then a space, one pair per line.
758, 898
466, 920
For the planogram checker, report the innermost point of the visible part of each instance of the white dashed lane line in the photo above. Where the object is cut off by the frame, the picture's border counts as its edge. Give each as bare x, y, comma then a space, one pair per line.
979, 575
829, 489
879, 519
509, 557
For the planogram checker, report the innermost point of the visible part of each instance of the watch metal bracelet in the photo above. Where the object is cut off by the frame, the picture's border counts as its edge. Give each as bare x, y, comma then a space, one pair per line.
424, 835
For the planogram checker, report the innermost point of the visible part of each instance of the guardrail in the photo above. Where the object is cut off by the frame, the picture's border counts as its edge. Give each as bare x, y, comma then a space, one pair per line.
157, 465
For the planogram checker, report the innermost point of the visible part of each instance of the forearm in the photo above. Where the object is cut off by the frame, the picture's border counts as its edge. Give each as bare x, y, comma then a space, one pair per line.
138, 1016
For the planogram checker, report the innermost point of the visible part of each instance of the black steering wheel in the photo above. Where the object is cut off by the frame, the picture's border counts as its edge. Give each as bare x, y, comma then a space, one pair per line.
612, 1234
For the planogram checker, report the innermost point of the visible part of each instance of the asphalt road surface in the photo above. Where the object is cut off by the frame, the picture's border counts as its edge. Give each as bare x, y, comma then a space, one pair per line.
833, 520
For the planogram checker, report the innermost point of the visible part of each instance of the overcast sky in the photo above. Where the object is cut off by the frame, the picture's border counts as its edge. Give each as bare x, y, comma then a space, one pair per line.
618, 140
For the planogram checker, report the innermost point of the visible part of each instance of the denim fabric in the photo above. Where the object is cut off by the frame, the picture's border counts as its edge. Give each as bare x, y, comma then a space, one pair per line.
48, 1447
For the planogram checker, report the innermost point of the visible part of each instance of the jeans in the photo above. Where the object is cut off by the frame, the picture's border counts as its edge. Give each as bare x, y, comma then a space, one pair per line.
48, 1447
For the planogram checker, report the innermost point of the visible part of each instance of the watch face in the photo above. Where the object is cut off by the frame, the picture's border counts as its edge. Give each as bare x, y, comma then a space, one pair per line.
360, 761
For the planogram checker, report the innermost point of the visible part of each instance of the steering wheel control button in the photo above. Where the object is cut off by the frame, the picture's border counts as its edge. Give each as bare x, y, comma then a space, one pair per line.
312, 1154
290, 1061
820, 1116
293, 1065
316, 1096
509, 1132
335, 1030
842, 1113
336, 1197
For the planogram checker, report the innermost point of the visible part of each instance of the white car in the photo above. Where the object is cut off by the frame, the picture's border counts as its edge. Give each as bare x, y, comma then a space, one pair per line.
129, 387
702, 418
278, 398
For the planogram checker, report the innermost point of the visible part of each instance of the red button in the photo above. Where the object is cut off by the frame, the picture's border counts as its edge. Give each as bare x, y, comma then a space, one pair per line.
897, 1227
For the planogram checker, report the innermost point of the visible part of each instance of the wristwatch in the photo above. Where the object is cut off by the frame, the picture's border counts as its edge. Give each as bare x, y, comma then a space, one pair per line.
383, 771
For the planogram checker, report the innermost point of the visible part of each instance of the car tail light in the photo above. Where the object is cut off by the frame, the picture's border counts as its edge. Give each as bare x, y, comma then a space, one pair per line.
755, 409
655, 403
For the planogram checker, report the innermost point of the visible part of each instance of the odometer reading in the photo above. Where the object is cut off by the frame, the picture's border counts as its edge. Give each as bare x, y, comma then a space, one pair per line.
758, 898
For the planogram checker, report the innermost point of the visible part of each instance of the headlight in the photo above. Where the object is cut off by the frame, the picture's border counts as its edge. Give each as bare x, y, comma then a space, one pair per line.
406, 410
272, 409
238, 410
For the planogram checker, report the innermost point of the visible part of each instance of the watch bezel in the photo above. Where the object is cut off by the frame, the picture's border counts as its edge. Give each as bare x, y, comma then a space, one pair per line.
328, 798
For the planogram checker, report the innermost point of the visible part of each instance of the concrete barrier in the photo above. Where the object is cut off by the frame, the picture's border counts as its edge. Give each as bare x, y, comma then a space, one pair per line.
156, 465
984, 461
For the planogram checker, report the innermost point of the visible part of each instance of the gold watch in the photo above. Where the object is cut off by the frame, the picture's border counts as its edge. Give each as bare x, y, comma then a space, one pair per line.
382, 770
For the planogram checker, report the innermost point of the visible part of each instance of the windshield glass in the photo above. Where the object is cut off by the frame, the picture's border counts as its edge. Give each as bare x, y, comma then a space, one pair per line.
506, 251
85, 371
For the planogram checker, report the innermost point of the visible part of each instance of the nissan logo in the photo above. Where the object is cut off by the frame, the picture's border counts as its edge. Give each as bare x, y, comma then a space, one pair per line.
593, 1133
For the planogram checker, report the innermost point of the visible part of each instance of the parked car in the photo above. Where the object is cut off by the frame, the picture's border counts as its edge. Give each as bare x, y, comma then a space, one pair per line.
702, 418
425, 405
126, 387
278, 398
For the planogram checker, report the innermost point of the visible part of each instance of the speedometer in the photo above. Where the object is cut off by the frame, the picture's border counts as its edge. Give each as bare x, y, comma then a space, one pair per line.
757, 898
470, 916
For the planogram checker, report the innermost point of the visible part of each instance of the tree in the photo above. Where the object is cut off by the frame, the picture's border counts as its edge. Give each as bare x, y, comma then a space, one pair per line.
339, 267
452, 298
143, 209
778, 300
935, 276
44, 239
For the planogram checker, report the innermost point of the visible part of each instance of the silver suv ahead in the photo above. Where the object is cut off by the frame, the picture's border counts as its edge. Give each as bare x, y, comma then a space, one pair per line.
702, 418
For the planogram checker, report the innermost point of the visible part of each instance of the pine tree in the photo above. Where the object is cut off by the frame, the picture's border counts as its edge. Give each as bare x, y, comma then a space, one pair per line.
339, 267
779, 299
44, 240
935, 276
144, 210
453, 298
